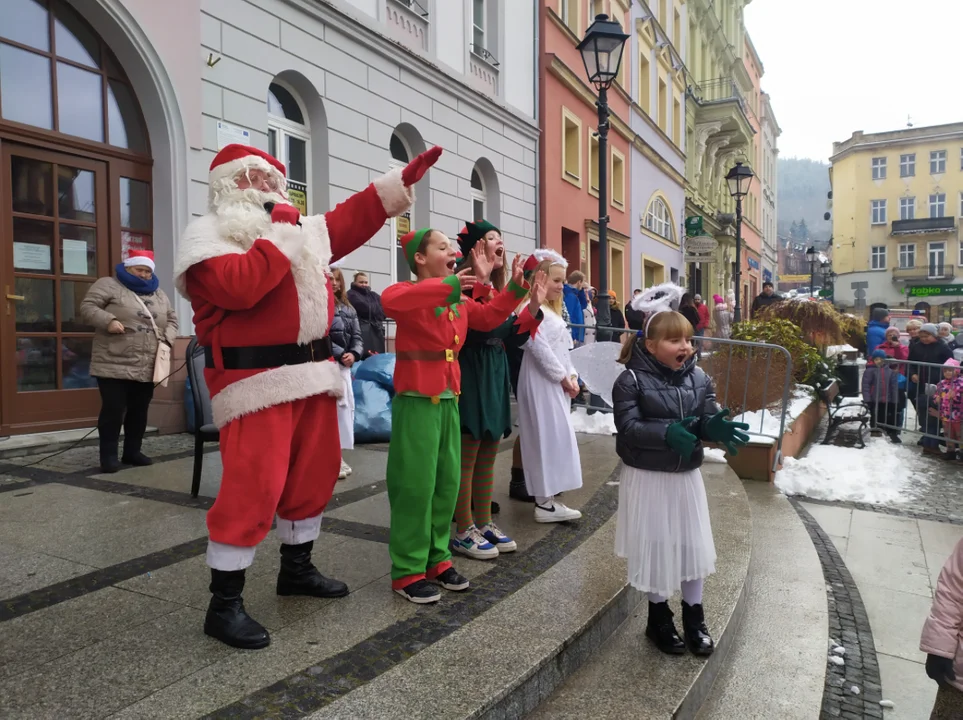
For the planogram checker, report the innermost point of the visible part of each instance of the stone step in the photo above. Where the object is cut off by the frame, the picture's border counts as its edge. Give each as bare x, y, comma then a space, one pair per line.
785, 629
13, 446
628, 677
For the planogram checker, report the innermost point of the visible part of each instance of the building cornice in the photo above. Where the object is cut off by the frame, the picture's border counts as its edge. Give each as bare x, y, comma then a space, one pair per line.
860, 142
367, 33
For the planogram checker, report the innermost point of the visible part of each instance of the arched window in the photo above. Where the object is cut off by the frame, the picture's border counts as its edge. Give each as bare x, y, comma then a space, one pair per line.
477, 195
289, 140
659, 221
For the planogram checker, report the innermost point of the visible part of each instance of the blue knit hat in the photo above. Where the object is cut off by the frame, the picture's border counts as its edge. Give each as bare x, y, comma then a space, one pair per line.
878, 354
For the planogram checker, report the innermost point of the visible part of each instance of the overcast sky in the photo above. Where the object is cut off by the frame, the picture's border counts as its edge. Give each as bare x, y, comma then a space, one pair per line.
837, 66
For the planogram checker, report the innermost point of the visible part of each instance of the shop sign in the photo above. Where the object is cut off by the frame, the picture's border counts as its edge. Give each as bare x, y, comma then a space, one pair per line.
693, 226
403, 225
794, 278
767, 275
298, 195
701, 244
930, 290
753, 263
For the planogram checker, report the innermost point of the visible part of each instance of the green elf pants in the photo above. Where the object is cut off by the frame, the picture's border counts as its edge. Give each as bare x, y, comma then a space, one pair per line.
424, 473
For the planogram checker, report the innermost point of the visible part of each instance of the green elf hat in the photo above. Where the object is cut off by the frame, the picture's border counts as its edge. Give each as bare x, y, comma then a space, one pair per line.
472, 233
410, 243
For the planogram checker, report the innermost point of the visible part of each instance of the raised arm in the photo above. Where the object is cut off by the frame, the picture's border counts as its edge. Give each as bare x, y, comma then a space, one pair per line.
404, 297
487, 316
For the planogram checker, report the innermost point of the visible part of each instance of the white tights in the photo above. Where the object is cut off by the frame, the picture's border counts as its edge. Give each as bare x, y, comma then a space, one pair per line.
691, 593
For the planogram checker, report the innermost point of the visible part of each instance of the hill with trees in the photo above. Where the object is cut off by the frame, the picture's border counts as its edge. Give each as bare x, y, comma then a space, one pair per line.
803, 186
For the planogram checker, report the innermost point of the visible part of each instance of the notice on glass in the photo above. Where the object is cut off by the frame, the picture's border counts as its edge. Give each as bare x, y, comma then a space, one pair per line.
75, 257
298, 195
31, 256
227, 134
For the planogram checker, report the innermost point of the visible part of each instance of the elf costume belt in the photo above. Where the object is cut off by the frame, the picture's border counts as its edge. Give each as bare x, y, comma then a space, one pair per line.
262, 357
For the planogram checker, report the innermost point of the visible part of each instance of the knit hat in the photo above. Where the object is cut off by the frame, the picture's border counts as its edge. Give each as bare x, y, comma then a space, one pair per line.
234, 158
410, 244
930, 328
472, 233
877, 354
952, 362
880, 314
717, 299
144, 258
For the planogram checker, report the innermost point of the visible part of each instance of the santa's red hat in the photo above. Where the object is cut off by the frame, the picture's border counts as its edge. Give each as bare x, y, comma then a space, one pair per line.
144, 258
234, 159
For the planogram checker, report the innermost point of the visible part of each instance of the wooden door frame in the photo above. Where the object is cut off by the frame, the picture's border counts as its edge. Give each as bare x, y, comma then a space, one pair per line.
46, 418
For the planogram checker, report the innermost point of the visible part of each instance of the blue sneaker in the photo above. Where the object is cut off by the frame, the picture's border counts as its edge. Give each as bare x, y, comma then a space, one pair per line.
496, 537
473, 544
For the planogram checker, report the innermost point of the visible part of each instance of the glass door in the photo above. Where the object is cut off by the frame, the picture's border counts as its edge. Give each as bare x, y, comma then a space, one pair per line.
55, 241
937, 259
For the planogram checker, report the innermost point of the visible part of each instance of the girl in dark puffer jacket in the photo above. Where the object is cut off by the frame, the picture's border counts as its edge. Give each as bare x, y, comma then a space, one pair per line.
665, 406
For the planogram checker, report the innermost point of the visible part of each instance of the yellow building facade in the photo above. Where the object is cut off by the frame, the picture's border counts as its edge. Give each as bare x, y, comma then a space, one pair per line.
719, 133
897, 204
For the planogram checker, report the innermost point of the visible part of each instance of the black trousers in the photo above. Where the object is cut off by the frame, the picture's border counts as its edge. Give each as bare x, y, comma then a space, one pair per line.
118, 397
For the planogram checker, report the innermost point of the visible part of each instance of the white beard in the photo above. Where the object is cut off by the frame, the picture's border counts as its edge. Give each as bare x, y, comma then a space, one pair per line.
241, 215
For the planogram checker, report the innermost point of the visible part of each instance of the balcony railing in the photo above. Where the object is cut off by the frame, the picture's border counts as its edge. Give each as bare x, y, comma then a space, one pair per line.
722, 89
922, 226
924, 272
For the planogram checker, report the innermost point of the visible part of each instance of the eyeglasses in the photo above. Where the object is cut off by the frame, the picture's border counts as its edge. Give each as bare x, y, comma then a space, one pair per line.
260, 178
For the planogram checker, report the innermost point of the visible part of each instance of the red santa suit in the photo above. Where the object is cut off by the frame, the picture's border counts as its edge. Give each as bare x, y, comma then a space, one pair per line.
262, 301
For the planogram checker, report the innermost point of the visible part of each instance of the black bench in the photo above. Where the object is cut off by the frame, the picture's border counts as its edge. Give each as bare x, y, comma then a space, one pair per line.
840, 414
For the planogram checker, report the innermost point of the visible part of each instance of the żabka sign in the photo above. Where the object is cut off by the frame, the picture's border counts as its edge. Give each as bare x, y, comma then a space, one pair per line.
931, 290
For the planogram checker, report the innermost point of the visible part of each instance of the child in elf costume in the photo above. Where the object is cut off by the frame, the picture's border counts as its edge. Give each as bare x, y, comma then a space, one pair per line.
425, 452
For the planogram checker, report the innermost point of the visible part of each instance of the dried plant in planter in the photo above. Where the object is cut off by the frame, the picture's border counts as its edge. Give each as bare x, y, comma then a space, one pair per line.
805, 357
854, 331
741, 381
820, 323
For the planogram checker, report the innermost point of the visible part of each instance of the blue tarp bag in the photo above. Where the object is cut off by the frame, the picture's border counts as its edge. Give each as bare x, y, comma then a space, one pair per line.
377, 368
373, 390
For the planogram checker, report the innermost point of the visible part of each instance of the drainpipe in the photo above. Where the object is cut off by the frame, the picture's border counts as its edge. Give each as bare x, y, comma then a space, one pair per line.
541, 69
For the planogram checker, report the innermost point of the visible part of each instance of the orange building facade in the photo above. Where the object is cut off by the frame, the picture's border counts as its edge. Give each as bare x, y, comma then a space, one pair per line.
569, 152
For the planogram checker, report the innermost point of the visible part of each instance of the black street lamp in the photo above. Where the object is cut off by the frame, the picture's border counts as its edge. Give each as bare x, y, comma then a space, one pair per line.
601, 50
739, 178
811, 257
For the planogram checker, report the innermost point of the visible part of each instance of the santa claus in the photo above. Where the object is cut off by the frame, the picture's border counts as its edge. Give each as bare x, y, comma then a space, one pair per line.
256, 274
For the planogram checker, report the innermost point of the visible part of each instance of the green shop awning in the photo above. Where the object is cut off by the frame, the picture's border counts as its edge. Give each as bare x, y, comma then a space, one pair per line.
931, 290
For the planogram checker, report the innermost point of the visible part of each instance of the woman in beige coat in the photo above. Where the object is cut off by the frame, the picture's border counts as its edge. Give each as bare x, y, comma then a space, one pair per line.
125, 347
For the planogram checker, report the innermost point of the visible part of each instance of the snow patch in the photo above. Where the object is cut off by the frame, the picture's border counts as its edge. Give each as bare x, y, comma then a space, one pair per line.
600, 423
887, 704
836, 660
839, 650
854, 690
715, 455
764, 424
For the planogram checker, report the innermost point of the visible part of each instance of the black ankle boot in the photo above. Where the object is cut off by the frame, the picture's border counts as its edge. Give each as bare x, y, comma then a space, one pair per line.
298, 576
137, 459
660, 629
697, 636
226, 619
517, 489
108, 457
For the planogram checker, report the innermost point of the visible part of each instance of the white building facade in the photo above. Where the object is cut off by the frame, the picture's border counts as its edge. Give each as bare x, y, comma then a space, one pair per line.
769, 178
119, 106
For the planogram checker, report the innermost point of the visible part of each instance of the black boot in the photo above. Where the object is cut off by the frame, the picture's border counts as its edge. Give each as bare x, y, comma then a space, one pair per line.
298, 576
226, 619
517, 489
660, 629
697, 636
108, 457
137, 459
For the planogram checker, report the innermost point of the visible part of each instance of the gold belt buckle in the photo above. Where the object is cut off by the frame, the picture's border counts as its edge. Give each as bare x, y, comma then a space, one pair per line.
449, 355
435, 399
311, 345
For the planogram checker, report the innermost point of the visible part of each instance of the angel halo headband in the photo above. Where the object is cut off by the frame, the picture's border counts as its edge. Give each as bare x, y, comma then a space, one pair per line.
541, 255
660, 298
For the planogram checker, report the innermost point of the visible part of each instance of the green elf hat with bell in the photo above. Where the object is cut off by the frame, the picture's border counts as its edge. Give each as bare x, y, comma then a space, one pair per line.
472, 233
410, 244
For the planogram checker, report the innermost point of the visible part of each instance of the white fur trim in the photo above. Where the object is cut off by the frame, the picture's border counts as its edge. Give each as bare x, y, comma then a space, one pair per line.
543, 254
275, 387
396, 197
659, 298
138, 260
233, 168
228, 557
289, 239
295, 532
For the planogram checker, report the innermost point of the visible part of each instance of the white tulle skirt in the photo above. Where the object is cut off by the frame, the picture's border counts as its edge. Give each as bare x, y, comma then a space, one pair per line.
663, 529
346, 411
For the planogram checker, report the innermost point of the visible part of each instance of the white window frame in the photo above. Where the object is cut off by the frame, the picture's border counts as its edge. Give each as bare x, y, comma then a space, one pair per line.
879, 168
482, 28
594, 145
877, 257
283, 128
617, 203
478, 195
961, 254
568, 117
907, 208
877, 210
591, 15
961, 204
937, 162
938, 247
394, 164
938, 202
907, 165
658, 219
907, 251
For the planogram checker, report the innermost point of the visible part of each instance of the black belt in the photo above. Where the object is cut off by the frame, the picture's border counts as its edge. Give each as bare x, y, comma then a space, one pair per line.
260, 357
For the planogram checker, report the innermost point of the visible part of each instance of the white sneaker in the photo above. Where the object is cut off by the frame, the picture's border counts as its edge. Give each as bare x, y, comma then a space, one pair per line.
496, 537
345, 470
473, 544
557, 512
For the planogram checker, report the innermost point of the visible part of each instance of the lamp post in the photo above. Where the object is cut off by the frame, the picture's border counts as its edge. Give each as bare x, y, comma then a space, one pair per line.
811, 257
601, 50
739, 178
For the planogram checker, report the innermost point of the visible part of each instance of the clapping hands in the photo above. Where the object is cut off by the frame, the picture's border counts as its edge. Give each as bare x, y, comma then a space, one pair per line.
728, 433
483, 261
538, 291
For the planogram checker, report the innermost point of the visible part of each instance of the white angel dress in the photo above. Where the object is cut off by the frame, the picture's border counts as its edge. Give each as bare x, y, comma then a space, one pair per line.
549, 449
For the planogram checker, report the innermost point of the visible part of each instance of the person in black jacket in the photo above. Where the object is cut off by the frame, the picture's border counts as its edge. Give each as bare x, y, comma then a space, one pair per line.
617, 321
665, 407
927, 349
347, 348
371, 317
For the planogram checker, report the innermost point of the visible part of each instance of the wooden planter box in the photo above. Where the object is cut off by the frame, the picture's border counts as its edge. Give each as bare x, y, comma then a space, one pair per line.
755, 461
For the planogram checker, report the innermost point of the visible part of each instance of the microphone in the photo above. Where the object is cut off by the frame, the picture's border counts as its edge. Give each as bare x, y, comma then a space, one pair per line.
269, 208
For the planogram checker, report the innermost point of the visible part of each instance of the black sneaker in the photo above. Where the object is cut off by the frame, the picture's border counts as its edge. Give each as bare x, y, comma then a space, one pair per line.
420, 592
451, 580
894, 436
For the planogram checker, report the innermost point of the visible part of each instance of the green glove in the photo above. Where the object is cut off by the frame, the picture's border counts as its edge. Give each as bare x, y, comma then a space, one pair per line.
679, 439
718, 429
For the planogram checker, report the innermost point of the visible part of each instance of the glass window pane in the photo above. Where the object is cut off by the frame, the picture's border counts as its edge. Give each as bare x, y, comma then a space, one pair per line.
32, 246
134, 204
283, 104
35, 313
71, 295
75, 357
32, 186
78, 251
75, 194
123, 118
25, 21
272, 142
80, 106
476, 181
398, 150
74, 40
25, 90
134, 241
36, 364
478, 13
297, 159
478, 207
